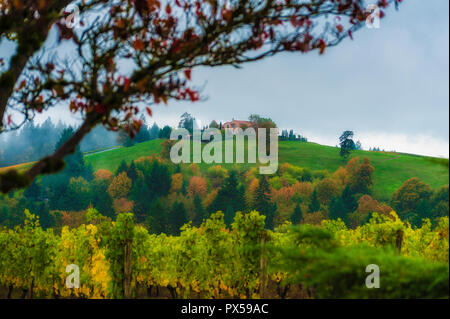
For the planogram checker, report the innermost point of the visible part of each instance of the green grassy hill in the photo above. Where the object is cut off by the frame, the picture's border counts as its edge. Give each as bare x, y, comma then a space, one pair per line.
391, 169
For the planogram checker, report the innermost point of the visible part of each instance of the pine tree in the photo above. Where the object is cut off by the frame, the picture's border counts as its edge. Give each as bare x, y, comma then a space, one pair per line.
177, 218
157, 219
424, 209
314, 205
270, 216
45, 218
337, 209
228, 195
142, 198
154, 131
102, 201
297, 215
74, 162
159, 179
200, 213
349, 199
132, 172
123, 167
263, 204
229, 215
33, 192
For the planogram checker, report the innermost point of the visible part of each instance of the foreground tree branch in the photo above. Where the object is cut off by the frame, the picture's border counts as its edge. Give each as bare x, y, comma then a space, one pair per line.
160, 42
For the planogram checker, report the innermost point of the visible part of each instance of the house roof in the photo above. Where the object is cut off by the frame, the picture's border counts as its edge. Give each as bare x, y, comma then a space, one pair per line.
248, 123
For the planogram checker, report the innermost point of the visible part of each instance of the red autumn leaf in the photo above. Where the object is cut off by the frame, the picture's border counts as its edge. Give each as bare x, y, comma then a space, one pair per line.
149, 111
227, 15
138, 45
322, 46
126, 84
188, 74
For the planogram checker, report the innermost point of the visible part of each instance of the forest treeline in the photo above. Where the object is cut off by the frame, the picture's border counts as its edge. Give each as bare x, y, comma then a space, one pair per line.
164, 196
34, 141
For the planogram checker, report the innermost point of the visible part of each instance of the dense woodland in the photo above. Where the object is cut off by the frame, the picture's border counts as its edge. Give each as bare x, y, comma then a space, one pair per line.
164, 196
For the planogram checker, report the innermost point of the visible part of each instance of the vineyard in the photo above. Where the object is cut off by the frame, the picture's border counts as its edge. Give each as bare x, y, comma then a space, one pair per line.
121, 259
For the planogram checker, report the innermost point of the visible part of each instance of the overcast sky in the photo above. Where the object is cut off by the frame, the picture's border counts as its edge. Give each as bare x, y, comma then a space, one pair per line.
389, 85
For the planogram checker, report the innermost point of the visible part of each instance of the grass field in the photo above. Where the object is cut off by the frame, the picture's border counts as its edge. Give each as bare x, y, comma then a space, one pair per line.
391, 169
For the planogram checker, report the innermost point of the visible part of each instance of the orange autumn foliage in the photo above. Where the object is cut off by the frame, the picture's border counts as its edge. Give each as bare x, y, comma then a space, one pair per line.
103, 174
251, 191
366, 205
197, 186
302, 190
123, 205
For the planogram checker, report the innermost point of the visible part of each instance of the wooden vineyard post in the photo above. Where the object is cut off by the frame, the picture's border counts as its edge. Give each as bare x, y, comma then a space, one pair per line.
263, 266
127, 269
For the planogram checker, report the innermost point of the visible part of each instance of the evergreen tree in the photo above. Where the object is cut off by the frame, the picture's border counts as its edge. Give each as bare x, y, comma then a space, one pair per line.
142, 198
184, 188
314, 205
123, 167
423, 210
101, 199
200, 213
229, 215
349, 199
165, 132
154, 131
337, 209
270, 216
297, 215
46, 220
74, 162
33, 192
263, 204
132, 172
228, 195
144, 134
177, 218
440, 202
157, 219
159, 179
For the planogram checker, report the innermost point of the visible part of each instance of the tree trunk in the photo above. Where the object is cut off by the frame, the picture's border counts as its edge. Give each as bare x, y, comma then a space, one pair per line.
127, 269
31, 289
10, 291
149, 291
24, 293
399, 240
263, 264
